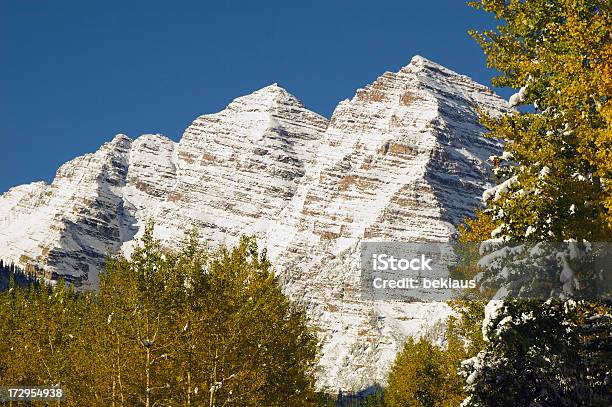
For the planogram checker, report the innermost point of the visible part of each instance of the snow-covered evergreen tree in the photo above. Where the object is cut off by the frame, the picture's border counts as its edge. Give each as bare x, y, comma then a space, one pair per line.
554, 185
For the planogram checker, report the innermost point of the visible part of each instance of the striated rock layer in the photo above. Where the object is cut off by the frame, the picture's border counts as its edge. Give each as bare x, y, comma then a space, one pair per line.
403, 160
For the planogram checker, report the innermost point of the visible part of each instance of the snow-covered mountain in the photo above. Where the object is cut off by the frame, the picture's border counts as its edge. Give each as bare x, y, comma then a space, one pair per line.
403, 160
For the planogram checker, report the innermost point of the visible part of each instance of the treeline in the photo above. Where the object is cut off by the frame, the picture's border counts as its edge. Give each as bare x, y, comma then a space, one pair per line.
186, 328
11, 274
373, 396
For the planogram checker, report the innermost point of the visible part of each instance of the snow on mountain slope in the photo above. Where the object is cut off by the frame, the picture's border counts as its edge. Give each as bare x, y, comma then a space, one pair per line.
231, 173
68, 227
239, 168
403, 160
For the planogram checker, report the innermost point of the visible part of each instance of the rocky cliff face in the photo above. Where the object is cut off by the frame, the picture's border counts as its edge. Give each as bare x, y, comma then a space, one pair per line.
403, 160
237, 169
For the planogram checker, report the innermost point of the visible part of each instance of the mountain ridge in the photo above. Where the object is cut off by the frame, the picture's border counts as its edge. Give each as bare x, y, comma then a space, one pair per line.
402, 160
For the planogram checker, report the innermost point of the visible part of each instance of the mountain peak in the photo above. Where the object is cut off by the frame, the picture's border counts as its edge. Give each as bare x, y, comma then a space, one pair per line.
118, 142
276, 93
274, 87
419, 60
403, 160
429, 70
268, 98
120, 139
419, 63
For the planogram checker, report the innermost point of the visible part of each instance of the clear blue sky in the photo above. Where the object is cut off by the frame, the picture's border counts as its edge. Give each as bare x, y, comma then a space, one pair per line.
73, 73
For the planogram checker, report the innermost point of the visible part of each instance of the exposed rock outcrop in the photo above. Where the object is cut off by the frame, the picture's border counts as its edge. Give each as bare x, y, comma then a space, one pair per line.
403, 160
